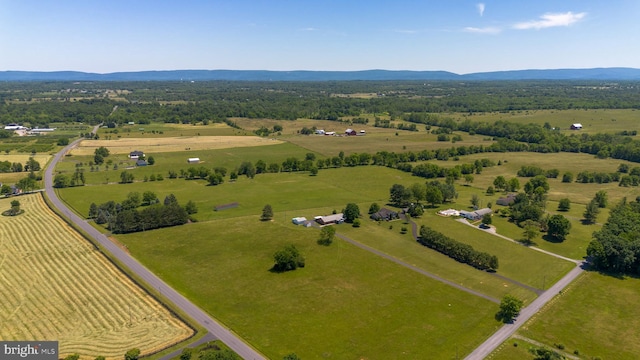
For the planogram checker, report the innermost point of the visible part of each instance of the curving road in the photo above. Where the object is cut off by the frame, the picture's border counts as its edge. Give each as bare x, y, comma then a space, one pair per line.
202, 318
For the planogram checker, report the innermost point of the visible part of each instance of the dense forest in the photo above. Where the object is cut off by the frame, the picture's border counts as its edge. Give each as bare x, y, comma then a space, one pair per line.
42, 103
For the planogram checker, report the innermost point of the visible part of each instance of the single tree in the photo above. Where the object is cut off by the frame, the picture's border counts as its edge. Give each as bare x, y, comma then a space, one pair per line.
287, 259
149, 198
267, 213
291, 356
601, 198
72, 357
510, 307
475, 201
191, 207
487, 219
591, 212
531, 230
356, 223
468, 179
326, 235
490, 190
564, 204
500, 183
151, 160
513, 184
351, 212
567, 177
433, 195
93, 211
558, 227
417, 192
415, 210
374, 208
132, 354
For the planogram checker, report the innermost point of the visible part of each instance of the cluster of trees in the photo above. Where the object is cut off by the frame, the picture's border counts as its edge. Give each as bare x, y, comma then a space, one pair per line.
433, 192
99, 154
532, 170
125, 217
63, 181
616, 247
14, 210
31, 165
458, 251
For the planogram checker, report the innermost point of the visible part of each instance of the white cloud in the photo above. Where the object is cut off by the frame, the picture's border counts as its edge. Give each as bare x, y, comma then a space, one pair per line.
310, 29
551, 20
401, 31
480, 7
485, 30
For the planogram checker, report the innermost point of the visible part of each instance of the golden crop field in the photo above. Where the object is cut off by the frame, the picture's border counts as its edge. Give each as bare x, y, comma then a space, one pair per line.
55, 285
171, 144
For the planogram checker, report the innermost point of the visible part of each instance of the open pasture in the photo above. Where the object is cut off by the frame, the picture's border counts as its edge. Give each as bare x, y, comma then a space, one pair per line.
345, 303
516, 262
386, 237
597, 315
56, 286
171, 144
294, 193
593, 120
160, 130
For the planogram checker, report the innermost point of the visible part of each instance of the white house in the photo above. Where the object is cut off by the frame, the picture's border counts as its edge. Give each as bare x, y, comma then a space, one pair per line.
136, 154
14, 127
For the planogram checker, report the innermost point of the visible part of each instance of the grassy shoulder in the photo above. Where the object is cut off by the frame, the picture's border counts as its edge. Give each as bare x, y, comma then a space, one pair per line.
597, 315
345, 303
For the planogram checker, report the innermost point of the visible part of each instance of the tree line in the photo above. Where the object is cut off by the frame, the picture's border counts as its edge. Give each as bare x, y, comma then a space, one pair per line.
458, 251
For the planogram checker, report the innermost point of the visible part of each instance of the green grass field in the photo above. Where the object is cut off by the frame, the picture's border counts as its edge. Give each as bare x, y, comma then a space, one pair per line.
597, 315
594, 121
516, 262
405, 248
346, 303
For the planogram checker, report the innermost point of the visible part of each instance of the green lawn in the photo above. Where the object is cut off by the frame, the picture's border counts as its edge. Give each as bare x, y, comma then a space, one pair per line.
597, 315
345, 304
517, 262
404, 247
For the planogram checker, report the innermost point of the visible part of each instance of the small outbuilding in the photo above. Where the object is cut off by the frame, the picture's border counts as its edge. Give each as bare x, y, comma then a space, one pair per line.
320, 132
350, 132
193, 160
449, 212
141, 162
576, 126
299, 220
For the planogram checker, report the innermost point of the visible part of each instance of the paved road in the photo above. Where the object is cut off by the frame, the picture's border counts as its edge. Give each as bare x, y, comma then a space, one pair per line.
507, 330
215, 328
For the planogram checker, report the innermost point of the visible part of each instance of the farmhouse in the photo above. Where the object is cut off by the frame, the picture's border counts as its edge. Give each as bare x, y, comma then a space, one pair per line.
384, 214
507, 200
475, 215
576, 126
141, 162
330, 219
136, 154
350, 132
299, 220
193, 160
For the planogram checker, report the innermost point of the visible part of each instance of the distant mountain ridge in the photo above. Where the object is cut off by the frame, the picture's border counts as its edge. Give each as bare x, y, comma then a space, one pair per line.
307, 75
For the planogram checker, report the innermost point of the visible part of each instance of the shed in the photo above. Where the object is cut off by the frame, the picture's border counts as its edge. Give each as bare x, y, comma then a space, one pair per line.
193, 160
320, 132
449, 212
299, 220
350, 132
141, 162
576, 126
507, 200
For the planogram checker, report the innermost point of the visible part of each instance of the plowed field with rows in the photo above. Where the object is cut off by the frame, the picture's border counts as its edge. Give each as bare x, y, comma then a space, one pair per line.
54, 285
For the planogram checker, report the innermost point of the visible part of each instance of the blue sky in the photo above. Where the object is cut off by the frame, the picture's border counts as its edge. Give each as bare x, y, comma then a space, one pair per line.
453, 35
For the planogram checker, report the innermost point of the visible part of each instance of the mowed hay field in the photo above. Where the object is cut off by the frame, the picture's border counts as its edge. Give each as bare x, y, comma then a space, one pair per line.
171, 144
55, 286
